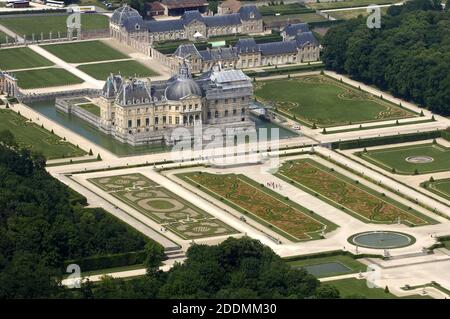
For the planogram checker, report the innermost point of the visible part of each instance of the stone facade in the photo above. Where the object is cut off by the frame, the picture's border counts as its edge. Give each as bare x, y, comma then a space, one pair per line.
246, 53
127, 26
8, 85
142, 112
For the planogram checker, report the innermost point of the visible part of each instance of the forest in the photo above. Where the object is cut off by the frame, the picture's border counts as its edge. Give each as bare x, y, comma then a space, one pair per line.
408, 56
43, 223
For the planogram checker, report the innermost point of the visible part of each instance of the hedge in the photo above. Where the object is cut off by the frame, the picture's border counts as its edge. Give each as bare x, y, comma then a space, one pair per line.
286, 70
108, 261
324, 24
446, 134
330, 254
393, 139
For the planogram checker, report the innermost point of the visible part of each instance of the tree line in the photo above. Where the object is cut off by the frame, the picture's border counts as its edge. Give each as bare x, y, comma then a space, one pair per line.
408, 56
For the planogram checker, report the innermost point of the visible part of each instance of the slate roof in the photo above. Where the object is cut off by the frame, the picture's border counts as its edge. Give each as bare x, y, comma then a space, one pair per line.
165, 25
123, 13
134, 24
246, 45
185, 50
249, 13
293, 29
281, 47
218, 54
190, 15
305, 38
135, 91
222, 20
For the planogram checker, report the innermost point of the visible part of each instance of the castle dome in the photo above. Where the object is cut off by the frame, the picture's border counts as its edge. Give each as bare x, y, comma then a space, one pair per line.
182, 85
124, 13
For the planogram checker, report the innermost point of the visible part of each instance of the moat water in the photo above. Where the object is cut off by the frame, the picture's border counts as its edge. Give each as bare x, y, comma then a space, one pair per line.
47, 108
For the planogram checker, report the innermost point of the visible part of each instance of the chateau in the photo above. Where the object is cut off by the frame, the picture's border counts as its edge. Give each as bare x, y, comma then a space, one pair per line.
128, 26
141, 112
246, 53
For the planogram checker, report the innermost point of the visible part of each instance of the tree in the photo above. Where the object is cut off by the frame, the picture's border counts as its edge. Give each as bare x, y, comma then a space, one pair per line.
327, 292
154, 256
7, 138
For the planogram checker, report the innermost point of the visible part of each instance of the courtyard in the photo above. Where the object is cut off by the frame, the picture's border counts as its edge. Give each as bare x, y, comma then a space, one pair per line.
100, 71
324, 102
410, 159
164, 207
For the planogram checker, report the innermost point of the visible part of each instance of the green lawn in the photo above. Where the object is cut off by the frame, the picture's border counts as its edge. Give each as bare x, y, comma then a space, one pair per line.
91, 108
396, 158
82, 52
34, 137
350, 196
101, 71
303, 17
440, 187
21, 58
325, 102
351, 287
267, 207
3, 38
347, 4
51, 23
352, 264
49, 77
350, 14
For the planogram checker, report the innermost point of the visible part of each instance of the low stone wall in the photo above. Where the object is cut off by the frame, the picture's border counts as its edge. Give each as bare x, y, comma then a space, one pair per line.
66, 107
28, 98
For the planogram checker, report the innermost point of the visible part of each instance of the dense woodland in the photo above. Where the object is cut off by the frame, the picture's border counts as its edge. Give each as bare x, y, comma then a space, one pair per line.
236, 268
43, 224
408, 56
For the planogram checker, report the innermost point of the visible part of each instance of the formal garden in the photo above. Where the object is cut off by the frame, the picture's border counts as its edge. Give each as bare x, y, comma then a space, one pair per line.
37, 24
86, 51
321, 101
100, 71
36, 138
267, 207
164, 207
349, 195
21, 58
410, 159
440, 187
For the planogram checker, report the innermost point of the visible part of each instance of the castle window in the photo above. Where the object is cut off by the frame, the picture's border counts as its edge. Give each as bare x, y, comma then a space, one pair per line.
209, 114
177, 108
164, 120
242, 111
234, 111
226, 113
177, 120
147, 121
130, 123
216, 114
170, 119
156, 120
138, 122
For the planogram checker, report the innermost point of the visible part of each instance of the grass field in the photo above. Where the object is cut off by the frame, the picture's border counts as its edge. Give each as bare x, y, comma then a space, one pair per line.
258, 202
101, 71
396, 158
351, 287
347, 4
163, 206
440, 187
51, 23
350, 14
353, 198
35, 138
91, 108
40, 78
21, 58
82, 52
325, 102
3, 38
303, 17
352, 265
